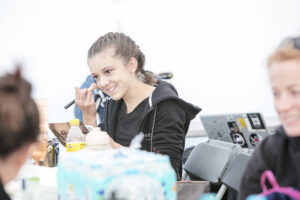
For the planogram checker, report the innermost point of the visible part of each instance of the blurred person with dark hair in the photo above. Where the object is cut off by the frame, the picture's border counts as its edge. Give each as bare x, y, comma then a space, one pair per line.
19, 126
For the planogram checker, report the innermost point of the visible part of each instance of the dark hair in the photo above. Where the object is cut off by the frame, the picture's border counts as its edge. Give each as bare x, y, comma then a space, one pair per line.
126, 48
19, 116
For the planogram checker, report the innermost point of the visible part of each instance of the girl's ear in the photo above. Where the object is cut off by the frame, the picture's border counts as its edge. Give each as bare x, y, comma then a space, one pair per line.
132, 65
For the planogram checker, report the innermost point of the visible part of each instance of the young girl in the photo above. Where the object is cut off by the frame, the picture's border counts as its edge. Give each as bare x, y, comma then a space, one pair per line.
19, 126
138, 102
280, 152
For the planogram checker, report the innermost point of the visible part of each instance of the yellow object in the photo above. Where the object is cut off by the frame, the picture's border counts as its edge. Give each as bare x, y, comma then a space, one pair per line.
242, 122
75, 146
174, 188
74, 122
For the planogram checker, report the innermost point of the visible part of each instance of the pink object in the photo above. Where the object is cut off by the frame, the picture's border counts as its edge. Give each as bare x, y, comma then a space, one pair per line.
268, 174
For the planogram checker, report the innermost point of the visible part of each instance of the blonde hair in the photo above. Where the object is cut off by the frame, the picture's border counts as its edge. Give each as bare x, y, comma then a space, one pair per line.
284, 53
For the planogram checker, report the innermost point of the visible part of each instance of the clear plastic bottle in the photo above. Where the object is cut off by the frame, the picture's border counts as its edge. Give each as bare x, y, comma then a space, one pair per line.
97, 139
75, 140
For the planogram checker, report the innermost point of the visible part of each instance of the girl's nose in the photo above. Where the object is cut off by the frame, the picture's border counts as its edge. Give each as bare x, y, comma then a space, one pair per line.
103, 82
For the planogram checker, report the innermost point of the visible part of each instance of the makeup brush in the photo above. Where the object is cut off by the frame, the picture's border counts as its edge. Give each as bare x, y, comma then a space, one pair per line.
91, 88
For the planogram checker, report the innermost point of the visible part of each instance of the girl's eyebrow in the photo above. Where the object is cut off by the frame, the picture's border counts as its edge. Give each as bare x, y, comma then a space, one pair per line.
105, 68
292, 86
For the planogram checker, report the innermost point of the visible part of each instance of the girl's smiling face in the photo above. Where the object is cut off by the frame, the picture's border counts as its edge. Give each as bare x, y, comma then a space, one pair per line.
112, 73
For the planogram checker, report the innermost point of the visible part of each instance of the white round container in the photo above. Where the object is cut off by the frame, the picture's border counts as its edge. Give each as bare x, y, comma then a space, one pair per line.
97, 139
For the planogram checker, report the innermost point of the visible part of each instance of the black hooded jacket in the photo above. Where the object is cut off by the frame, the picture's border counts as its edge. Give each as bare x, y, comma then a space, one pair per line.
278, 153
165, 122
3, 194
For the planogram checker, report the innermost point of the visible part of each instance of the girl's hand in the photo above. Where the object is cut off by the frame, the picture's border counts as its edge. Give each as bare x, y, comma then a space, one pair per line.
85, 101
113, 144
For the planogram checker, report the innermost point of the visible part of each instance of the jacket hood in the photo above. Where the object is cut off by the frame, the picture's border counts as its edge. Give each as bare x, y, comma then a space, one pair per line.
163, 91
280, 131
166, 91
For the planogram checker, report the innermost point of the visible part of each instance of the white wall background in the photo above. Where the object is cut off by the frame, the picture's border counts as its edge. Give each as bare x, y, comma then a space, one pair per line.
216, 49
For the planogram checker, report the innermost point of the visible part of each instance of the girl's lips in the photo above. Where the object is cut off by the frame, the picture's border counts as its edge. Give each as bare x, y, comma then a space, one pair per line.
111, 89
289, 120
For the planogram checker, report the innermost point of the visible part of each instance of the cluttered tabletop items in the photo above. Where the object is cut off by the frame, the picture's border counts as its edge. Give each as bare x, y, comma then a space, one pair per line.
80, 174
71, 168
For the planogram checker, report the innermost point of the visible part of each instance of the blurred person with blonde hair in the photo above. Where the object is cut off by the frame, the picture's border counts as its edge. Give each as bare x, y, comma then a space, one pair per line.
280, 152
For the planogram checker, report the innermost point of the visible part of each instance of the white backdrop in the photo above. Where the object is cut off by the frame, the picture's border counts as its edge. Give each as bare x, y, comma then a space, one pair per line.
216, 49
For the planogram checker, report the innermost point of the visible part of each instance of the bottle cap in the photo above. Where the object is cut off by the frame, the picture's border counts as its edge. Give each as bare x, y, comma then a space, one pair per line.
74, 122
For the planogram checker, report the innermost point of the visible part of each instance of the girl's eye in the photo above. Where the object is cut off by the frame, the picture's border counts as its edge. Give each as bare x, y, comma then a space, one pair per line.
108, 71
294, 92
96, 77
275, 94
